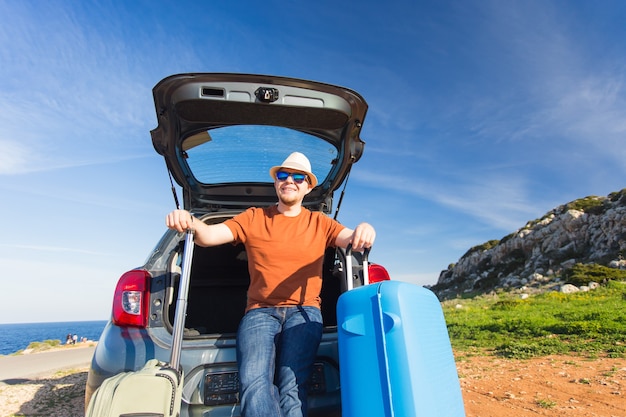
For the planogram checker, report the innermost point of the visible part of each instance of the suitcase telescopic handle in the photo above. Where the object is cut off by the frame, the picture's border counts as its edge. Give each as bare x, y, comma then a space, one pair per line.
366, 278
181, 301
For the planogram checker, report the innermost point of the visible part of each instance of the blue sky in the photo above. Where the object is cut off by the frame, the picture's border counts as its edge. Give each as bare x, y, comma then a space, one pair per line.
483, 115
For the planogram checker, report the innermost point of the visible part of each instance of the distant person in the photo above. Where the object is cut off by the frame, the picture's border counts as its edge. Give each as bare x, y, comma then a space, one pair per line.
69, 339
74, 339
281, 330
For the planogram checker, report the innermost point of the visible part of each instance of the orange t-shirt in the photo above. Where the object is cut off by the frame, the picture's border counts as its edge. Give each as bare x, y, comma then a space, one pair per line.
285, 254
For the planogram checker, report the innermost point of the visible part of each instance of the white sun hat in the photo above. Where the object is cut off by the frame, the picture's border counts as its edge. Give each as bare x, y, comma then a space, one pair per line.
297, 162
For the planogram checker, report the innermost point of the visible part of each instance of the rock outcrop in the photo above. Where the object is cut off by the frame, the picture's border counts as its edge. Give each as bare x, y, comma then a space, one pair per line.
588, 230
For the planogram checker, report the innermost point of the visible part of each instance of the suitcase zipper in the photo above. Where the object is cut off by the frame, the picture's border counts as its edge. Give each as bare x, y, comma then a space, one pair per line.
174, 388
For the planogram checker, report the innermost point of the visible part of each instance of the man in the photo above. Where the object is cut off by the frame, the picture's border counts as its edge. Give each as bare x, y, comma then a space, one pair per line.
279, 335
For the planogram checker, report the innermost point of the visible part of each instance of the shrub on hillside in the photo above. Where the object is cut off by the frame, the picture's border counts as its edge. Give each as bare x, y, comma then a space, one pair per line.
591, 205
583, 274
482, 247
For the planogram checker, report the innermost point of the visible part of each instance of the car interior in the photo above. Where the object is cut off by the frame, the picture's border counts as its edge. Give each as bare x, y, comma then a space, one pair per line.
219, 282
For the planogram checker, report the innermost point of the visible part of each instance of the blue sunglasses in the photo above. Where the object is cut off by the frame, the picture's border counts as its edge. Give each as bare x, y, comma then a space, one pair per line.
297, 177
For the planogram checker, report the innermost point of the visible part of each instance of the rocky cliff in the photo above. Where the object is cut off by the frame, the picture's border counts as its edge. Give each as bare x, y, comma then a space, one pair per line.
539, 255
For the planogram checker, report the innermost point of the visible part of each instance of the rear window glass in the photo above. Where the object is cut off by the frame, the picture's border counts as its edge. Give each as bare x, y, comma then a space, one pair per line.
246, 153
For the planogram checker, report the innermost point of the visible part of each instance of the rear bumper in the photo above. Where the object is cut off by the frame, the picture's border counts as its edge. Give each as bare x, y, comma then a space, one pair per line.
127, 349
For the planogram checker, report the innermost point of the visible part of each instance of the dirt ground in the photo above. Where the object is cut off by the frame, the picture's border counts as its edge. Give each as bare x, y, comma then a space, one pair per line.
491, 387
549, 386
58, 395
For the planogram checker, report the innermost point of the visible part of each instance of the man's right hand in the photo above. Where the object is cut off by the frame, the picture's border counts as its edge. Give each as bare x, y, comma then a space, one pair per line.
204, 234
179, 220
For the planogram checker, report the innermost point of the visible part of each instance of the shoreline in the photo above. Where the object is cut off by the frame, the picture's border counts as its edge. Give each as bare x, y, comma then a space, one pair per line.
45, 347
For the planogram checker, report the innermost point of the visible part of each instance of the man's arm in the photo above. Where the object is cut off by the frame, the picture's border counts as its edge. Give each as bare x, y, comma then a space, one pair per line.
204, 234
361, 237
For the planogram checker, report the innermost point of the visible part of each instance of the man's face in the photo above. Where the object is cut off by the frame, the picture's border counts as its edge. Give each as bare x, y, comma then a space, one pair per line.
288, 190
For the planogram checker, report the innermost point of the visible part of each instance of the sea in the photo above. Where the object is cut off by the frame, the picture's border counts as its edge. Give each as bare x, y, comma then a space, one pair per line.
15, 337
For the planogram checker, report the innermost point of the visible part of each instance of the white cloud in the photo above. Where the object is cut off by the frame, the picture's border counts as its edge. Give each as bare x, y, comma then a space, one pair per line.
592, 109
54, 249
54, 291
422, 278
499, 201
14, 157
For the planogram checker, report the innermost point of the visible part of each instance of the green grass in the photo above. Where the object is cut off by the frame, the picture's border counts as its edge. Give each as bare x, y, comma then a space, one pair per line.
544, 403
40, 346
589, 323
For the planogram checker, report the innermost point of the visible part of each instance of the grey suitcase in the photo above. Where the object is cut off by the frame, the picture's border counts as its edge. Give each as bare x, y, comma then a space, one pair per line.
156, 389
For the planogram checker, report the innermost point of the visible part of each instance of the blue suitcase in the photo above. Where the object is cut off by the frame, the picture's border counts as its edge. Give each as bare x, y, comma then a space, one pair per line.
395, 356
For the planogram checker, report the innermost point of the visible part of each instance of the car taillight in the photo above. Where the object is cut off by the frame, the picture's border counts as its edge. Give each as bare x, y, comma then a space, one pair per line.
130, 302
377, 273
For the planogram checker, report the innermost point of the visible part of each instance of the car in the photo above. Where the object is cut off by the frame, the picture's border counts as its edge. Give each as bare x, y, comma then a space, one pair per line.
219, 134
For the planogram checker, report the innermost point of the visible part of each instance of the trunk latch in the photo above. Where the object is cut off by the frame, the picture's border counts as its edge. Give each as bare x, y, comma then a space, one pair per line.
266, 94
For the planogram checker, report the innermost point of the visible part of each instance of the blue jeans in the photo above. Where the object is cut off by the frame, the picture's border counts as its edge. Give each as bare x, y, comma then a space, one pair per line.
276, 348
